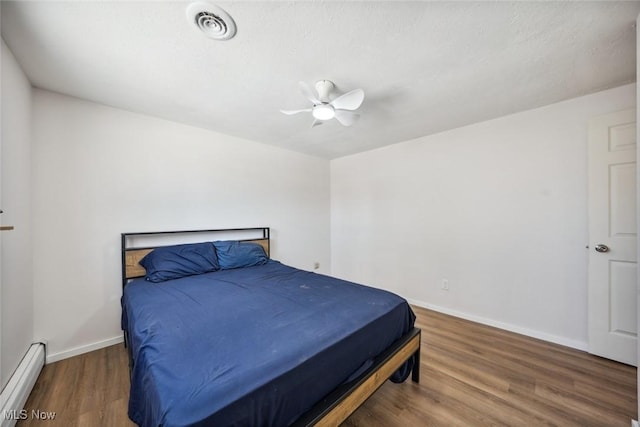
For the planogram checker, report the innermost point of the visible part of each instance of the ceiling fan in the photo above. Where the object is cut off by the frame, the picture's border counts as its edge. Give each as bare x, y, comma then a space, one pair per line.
341, 108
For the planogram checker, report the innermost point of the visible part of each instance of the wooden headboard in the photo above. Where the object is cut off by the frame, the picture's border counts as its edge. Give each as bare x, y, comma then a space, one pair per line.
132, 253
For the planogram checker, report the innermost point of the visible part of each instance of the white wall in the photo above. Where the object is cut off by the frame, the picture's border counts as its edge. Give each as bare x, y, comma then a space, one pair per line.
100, 171
638, 195
498, 208
16, 246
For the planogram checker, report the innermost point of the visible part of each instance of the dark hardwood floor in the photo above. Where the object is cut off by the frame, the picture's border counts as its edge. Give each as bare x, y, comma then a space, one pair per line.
471, 375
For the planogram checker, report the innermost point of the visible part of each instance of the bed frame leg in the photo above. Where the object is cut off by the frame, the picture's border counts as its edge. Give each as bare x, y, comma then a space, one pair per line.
415, 372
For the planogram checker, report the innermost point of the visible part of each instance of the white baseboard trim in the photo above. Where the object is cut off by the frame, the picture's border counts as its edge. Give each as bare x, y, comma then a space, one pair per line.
84, 349
15, 394
578, 345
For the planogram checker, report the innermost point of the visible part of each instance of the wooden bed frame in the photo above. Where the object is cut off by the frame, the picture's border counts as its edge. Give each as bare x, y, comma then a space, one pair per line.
344, 400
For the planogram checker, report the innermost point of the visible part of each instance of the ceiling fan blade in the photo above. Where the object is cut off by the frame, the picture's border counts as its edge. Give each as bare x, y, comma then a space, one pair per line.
316, 123
306, 90
349, 101
290, 112
346, 118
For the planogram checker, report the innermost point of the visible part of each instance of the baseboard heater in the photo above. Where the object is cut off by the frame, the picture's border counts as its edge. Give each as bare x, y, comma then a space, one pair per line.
15, 394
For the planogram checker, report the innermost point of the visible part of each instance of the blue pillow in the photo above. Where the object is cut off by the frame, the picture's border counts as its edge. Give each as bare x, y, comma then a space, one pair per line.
173, 262
234, 254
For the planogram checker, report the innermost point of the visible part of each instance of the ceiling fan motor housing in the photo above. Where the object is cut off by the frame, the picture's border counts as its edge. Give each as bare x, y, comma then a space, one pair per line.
324, 87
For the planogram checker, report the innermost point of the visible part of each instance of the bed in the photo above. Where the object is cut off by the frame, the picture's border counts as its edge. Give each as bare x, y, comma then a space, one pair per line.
251, 341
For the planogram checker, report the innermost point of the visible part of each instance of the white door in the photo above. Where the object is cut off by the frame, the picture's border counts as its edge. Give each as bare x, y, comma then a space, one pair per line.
612, 237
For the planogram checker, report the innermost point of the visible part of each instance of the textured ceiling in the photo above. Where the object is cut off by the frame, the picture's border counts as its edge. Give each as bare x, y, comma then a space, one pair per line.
425, 67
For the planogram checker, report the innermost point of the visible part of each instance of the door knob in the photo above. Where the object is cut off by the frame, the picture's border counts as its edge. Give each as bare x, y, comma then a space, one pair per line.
602, 248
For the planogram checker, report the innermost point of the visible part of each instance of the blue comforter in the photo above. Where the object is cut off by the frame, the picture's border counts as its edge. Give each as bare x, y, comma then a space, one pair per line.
255, 346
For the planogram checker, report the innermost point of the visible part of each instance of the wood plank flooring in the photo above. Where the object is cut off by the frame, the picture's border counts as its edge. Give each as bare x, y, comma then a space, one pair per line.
471, 375
89, 390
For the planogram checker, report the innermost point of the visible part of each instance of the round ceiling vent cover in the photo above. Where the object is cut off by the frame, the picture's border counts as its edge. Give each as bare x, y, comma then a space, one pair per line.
214, 22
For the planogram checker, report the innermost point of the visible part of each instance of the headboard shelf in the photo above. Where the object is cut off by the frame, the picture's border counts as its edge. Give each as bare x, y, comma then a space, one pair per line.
133, 252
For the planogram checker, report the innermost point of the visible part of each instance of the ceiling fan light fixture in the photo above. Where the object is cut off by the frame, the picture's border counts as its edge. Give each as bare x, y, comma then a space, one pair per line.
324, 108
323, 112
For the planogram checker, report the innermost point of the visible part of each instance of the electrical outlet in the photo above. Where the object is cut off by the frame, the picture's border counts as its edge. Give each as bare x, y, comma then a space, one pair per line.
316, 265
445, 284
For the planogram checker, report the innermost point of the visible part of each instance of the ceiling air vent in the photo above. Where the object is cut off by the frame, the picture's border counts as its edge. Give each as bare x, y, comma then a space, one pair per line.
214, 22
